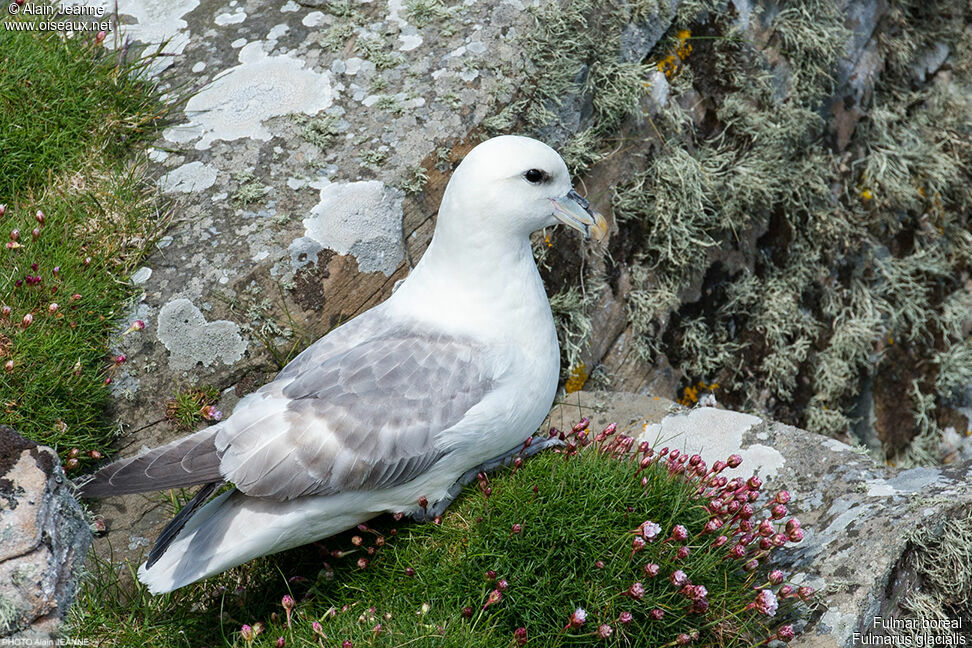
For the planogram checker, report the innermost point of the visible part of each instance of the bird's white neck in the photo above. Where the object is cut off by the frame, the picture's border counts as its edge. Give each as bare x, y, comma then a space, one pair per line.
475, 283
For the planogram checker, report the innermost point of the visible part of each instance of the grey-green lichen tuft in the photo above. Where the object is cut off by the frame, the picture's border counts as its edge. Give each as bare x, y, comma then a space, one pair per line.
769, 251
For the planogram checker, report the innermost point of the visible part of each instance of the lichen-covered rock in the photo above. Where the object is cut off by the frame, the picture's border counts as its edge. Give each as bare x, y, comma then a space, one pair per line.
879, 543
788, 183
43, 541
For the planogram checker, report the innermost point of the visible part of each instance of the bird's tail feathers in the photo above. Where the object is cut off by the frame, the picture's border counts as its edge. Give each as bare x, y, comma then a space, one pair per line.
184, 462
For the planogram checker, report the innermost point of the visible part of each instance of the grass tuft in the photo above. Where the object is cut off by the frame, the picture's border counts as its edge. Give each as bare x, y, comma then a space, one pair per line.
570, 528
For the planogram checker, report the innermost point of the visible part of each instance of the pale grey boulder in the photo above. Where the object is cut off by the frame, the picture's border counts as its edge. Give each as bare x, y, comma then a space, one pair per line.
44, 539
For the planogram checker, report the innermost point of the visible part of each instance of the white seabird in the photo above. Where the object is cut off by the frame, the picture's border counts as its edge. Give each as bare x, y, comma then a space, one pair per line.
459, 366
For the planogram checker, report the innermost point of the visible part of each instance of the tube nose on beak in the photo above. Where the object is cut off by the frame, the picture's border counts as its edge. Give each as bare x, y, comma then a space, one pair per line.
575, 211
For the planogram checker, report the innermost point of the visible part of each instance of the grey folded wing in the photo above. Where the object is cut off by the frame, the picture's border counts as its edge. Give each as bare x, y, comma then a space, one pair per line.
367, 417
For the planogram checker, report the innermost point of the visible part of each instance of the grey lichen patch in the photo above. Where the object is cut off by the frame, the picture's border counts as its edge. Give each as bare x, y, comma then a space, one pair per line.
359, 218
236, 104
188, 178
191, 340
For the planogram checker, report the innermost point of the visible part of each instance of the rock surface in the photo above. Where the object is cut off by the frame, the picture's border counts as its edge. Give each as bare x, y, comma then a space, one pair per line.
43, 542
858, 516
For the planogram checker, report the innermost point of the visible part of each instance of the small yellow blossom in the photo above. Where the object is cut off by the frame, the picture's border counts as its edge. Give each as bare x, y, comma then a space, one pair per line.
866, 195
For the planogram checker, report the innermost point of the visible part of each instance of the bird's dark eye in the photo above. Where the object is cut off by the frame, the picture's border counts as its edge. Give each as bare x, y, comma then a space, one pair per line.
535, 176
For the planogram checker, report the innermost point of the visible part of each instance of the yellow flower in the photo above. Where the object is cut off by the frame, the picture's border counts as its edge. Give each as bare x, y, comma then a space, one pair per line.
866, 195
684, 35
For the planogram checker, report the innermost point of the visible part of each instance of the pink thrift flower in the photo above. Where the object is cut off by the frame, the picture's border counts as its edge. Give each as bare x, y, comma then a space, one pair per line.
678, 578
650, 530
625, 618
636, 591
651, 570
766, 602
578, 618
604, 631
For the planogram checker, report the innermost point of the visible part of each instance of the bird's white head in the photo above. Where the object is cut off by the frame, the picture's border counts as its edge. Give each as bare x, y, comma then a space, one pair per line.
514, 185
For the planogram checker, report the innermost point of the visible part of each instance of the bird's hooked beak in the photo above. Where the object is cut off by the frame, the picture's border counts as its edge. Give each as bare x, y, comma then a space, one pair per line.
575, 211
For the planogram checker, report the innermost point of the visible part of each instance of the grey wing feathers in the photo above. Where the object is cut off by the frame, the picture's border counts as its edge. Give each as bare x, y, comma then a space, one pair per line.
366, 418
184, 462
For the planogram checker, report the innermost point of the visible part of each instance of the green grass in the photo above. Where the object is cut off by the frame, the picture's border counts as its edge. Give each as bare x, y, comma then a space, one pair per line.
59, 99
430, 584
71, 116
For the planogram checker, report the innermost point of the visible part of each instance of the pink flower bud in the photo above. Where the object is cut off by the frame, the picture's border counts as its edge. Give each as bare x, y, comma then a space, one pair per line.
280, 642
638, 543
99, 38
721, 540
494, 597
467, 612
682, 553
766, 528
657, 614
5, 312
8, 366
778, 512
792, 524
502, 584
15, 235
734, 461
490, 575
246, 632
651, 570
34, 234
578, 618
362, 563
796, 535
27, 321
683, 639
779, 540
409, 571
776, 577
3, 209
604, 631
625, 618
636, 591
719, 466
599, 564
516, 528
805, 592
52, 308
785, 634
782, 497
520, 636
